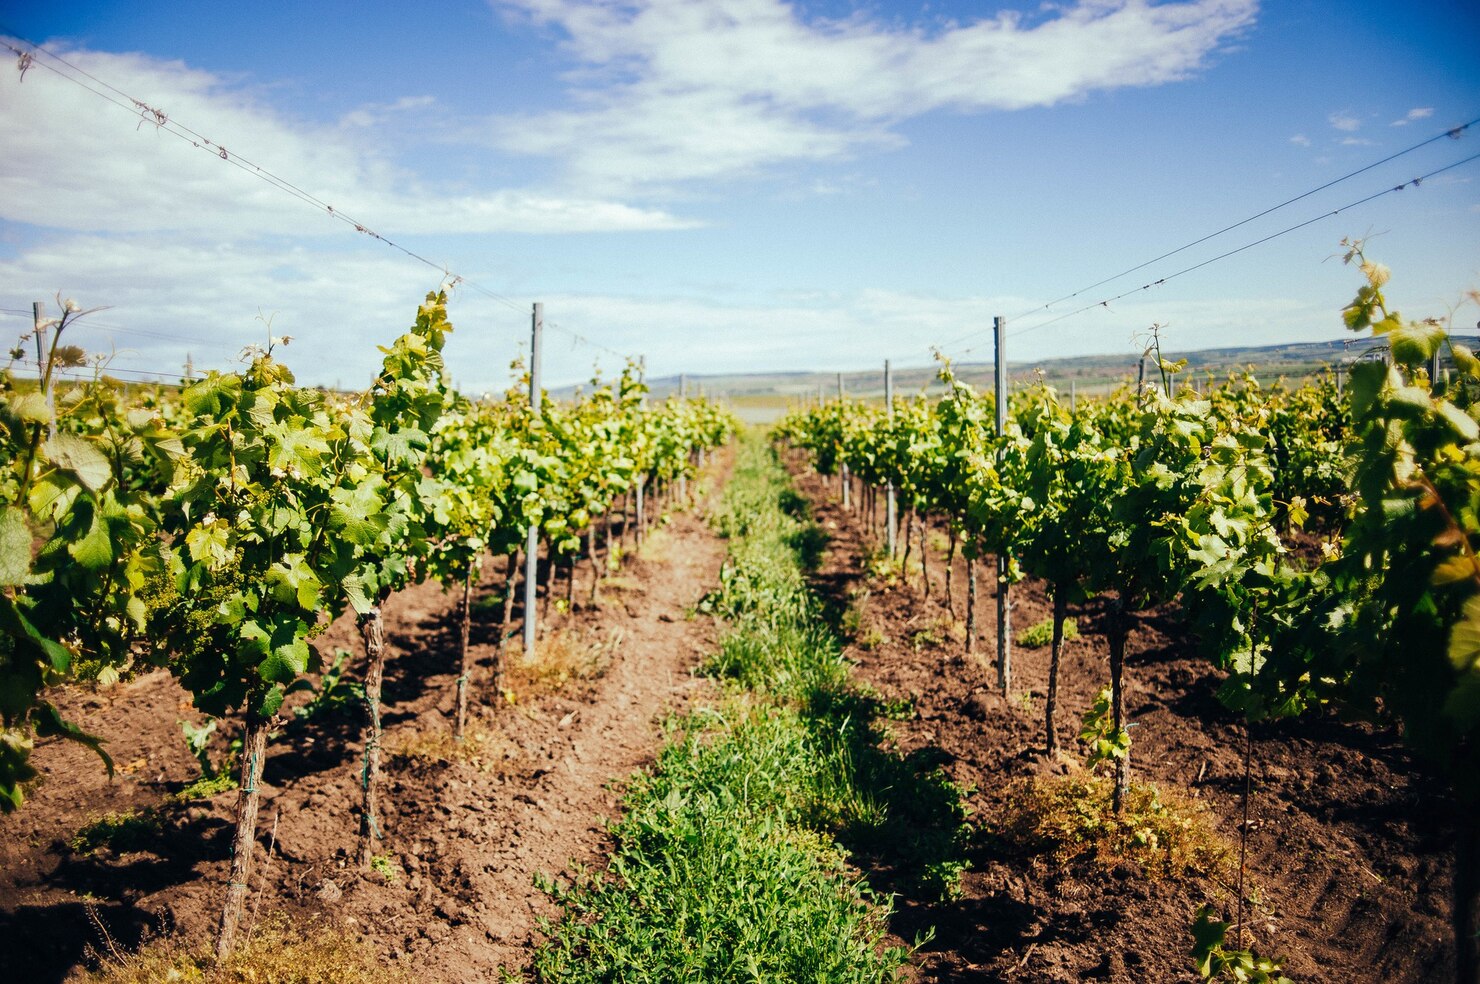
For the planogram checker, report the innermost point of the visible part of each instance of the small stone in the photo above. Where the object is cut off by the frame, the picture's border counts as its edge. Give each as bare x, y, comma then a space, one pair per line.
329, 891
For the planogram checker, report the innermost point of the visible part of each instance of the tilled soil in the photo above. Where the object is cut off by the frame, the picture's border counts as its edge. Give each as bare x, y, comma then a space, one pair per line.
1348, 851
464, 838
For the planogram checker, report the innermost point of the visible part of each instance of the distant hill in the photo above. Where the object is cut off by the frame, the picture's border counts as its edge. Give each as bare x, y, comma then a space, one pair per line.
762, 397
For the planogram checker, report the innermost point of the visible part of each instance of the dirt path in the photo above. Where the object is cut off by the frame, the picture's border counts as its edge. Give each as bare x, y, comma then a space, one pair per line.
1348, 842
466, 832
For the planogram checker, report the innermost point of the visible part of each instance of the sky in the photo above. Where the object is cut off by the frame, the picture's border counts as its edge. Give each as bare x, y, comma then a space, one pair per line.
726, 185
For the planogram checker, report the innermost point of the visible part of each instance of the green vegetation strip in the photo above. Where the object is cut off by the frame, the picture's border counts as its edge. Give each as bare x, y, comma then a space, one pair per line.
735, 858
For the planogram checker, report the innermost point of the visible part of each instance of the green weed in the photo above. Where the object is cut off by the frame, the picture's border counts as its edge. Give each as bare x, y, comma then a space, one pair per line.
1040, 634
1069, 819
128, 830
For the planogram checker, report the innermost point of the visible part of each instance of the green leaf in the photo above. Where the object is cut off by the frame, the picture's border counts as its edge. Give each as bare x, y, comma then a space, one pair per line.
209, 397
1208, 936
286, 662
1465, 360
79, 456
26, 637
95, 550
1414, 344
30, 407
1460, 422
210, 545
15, 750
402, 448
271, 702
15, 547
358, 513
357, 593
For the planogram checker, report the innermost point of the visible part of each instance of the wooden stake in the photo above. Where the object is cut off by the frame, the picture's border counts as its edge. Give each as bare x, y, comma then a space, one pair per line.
460, 718
970, 602
1060, 612
532, 539
372, 632
243, 843
1004, 562
891, 518
1119, 630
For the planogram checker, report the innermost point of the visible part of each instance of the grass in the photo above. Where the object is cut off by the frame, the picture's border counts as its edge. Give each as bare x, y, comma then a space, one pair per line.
277, 951
732, 858
1040, 634
205, 787
128, 830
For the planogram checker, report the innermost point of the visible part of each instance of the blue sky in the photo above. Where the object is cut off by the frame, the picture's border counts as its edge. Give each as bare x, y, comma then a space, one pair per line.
729, 186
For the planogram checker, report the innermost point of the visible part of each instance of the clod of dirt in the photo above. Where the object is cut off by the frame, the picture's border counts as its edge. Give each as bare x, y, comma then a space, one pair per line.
978, 707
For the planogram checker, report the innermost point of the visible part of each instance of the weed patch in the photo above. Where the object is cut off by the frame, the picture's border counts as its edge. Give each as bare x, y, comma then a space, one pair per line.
1040, 634
129, 830
1069, 820
277, 951
559, 659
484, 749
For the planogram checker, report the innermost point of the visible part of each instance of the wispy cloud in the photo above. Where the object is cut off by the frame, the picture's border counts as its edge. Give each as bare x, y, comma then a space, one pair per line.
1414, 115
1356, 142
1344, 121
1300, 140
665, 91
75, 161
377, 113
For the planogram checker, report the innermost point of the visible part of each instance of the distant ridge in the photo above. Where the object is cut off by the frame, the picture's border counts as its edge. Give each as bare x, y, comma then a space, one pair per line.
1089, 373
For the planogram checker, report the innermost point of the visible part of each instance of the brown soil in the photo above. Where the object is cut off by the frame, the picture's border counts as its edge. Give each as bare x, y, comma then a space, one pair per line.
1349, 846
463, 838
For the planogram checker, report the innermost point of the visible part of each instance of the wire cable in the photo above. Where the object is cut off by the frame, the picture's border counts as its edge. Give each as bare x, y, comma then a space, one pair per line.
161, 120
1412, 182
1453, 133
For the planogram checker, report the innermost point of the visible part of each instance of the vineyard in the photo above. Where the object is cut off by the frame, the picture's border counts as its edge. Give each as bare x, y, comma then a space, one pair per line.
1179, 684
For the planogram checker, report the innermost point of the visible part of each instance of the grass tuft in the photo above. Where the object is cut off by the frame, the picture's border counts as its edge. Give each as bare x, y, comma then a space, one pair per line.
1040, 634
128, 830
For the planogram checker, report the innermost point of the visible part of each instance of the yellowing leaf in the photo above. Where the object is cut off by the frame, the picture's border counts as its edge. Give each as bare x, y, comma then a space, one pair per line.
1456, 568
1464, 636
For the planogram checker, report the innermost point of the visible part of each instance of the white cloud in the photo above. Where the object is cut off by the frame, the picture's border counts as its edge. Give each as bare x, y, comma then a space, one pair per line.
1356, 142
671, 90
1300, 140
168, 299
376, 114
75, 161
1414, 115
1345, 122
